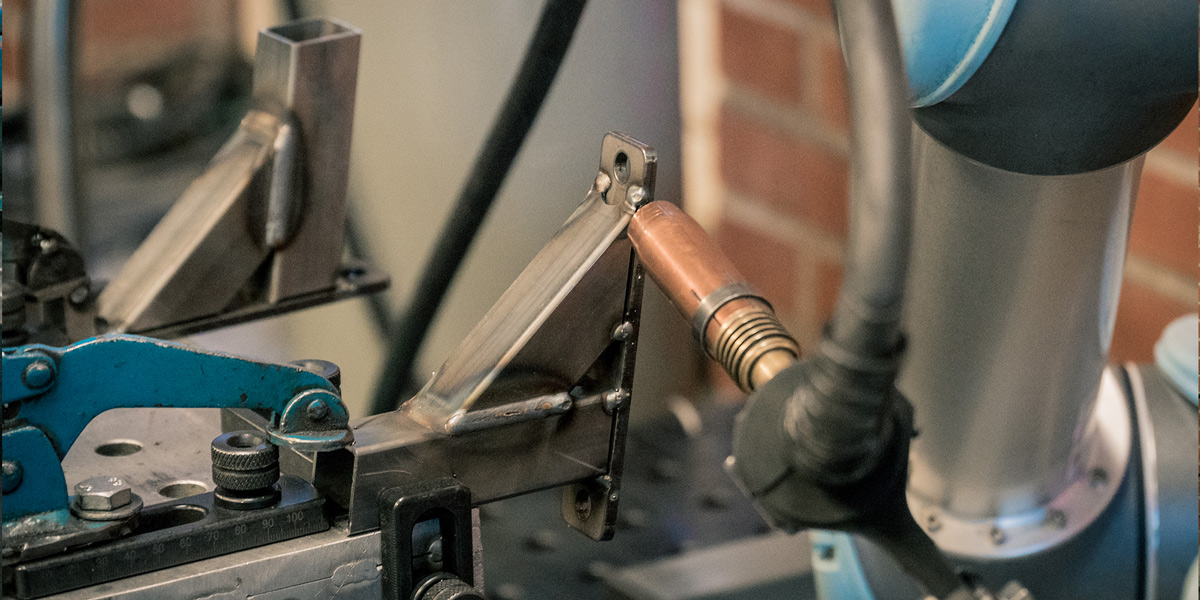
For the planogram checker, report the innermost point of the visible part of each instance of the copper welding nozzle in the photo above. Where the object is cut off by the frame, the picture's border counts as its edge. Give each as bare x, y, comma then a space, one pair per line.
735, 326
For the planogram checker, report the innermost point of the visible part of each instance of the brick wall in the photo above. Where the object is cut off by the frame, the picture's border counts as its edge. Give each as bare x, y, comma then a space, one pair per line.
765, 147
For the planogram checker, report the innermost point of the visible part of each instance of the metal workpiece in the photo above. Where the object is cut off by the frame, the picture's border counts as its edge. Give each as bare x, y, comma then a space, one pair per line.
309, 71
866, 318
538, 394
1013, 293
735, 326
200, 254
493, 463
275, 193
559, 314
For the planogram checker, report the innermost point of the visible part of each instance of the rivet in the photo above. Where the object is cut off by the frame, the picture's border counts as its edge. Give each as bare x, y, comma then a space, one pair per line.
38, 375
317, 410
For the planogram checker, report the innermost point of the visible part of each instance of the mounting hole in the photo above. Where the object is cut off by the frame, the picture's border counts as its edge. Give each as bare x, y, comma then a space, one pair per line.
119, 448
182, 489
621, 167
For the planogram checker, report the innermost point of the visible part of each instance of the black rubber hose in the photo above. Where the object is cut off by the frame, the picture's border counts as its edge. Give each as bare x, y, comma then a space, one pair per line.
545, 53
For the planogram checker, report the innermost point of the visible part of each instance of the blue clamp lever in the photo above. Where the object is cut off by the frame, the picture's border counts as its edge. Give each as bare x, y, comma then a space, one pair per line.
51, 394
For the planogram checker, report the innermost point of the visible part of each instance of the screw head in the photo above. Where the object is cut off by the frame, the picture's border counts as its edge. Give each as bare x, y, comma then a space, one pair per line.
317, 410
103, 492
38, 374
997, 535
13, 474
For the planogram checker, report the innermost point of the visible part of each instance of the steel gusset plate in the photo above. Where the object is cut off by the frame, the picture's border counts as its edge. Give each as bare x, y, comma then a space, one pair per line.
174, 533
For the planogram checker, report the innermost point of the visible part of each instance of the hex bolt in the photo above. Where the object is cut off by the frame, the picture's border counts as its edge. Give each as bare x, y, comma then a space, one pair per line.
317, 410
102, 493
622, 332
38, 374
13, 474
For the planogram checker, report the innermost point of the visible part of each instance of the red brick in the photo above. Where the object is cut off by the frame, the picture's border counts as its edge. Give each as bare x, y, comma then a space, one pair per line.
1141, 316
769, 264
796, 178
761, 56
1166, 223
829, 281
821, 8
1186, 138
833, 102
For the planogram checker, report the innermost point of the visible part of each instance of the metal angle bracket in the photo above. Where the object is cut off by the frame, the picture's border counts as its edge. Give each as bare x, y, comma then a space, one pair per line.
537, 395
261, 230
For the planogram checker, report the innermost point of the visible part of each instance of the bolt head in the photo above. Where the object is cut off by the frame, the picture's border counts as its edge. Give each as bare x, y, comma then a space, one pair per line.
103, 492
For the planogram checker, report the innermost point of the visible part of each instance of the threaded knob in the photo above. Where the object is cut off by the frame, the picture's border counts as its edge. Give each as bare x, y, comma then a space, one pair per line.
245, 467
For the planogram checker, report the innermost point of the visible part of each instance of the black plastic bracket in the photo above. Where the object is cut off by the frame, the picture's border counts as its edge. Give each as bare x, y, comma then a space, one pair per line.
401, 509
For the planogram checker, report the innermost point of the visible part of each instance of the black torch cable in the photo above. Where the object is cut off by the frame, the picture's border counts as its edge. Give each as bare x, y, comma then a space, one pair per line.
543, 57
